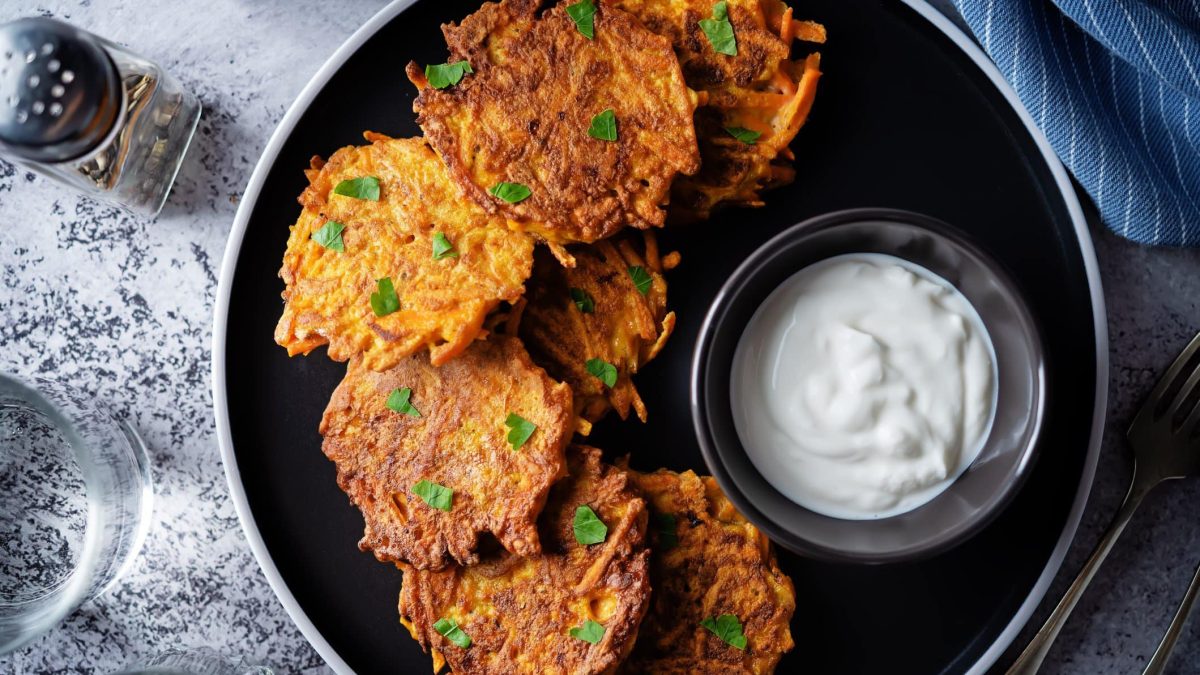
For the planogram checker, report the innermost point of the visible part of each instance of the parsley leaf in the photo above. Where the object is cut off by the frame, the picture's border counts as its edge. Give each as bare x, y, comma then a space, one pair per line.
747, 136
589, 529
384, 301
590, 631
604, 126
443, 75
366, 188
398, 401
728, 628
442, 248
720, 31
604, 370
583, 13
510, 192
330, 236
641, 279
583, 301
437, 496
519, 430
450, 630
664, 526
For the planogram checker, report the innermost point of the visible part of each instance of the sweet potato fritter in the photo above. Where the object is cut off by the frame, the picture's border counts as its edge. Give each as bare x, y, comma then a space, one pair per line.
457, 438
759, 89
518, 612
523, 114
708, 561
442, 302
616, 323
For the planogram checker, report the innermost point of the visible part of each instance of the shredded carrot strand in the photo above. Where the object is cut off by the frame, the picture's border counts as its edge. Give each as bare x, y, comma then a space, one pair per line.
808, 31
512, 324
782, 173
796, 112
758, 15
652, 260
784, 83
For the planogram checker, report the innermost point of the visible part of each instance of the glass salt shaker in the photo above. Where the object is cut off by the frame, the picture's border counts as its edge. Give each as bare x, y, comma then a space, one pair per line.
86, 112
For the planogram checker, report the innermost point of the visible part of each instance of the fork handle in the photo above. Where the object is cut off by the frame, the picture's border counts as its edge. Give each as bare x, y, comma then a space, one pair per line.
1159, 661
1031, 659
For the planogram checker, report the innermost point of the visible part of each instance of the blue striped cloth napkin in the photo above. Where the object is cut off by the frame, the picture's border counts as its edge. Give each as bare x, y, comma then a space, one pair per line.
1115, 85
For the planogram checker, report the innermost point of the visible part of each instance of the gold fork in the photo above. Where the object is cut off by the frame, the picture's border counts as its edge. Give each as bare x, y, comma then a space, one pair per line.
1166, 445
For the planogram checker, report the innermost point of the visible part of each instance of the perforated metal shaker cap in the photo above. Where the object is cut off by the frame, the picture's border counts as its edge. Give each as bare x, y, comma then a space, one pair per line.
59, 91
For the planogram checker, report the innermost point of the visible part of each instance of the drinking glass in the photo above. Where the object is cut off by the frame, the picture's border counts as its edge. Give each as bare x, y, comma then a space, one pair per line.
75, 499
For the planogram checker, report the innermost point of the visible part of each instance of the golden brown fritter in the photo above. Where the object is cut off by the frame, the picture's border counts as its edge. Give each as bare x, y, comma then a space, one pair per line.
708, 561
442, 302
759, 89
458, 441
519, 612
624, 327
523, 116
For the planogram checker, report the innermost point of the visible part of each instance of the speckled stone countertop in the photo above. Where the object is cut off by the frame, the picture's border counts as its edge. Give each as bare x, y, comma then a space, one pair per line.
123, 306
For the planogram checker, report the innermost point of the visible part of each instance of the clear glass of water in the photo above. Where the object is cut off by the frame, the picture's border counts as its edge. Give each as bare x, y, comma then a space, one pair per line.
75, 499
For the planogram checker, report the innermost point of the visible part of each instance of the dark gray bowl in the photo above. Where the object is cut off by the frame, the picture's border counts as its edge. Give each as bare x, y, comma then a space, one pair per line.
968, 503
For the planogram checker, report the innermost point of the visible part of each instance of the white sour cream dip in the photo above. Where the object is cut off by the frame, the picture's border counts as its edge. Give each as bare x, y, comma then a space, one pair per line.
863, 386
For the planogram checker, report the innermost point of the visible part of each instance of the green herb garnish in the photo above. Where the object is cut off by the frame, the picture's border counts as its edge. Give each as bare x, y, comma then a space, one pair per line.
442, 248
519, 430
589, 529
728, 628
443, 75
398, 401
583, 301
604, 370
583, 13
720, 31
510, 192
330, 236
437, 496
450, 630
747, 136
384, 301
590, 631
641, 279
366, 188
604, 126
664, 526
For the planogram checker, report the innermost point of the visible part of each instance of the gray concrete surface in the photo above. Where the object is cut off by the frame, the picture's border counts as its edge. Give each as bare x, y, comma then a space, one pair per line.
124, 306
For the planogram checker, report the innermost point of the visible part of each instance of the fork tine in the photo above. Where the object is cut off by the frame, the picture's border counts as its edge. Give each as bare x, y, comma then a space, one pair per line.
1176, 368
1185, 391
1189, 425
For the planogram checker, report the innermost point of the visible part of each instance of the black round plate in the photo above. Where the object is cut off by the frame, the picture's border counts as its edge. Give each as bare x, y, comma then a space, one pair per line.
904, 119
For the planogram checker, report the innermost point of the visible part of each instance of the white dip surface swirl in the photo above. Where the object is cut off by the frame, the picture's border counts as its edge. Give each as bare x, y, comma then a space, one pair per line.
863, 386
